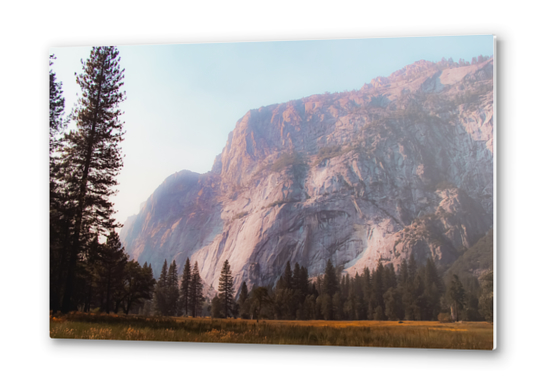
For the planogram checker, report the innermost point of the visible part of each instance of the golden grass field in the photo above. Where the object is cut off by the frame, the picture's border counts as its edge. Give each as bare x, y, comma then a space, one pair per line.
408, 334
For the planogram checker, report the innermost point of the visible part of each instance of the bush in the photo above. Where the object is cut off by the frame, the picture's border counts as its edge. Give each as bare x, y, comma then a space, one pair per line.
444, 318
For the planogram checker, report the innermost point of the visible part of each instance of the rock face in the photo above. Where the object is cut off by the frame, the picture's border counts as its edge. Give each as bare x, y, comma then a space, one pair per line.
403, 166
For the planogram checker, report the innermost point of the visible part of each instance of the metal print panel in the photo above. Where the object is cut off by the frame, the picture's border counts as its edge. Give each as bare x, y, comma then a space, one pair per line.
336, 192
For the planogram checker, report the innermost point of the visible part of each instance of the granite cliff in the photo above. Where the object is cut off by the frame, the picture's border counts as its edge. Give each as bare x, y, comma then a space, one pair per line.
402, 166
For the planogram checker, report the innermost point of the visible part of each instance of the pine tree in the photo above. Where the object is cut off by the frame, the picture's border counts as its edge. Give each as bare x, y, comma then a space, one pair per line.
298, 285
57, 123
287, 276
456, 296
244, 305
330, 287
486, 296
172, 296
304, 281
225, 288
185, 288
433, 289
260, 299
350, 301
393, 305
296, 277
390, 278
109, 272
160, 293
367, 293
412, 267
330, 279
403, 277
378, 289
418, 306
58, 224
196, 291
91, 157
360, 305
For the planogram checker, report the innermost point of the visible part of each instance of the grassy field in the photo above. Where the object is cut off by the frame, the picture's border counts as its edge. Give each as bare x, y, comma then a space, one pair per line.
408, 334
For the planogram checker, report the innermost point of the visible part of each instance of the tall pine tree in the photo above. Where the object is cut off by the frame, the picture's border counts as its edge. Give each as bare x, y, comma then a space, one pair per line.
172, 290
196, 291
58, 228
225, 288
243, 302
91, 157
160, 293
109, 272
185, 288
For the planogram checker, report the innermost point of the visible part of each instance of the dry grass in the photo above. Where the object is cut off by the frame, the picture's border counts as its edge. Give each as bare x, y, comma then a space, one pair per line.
408, 334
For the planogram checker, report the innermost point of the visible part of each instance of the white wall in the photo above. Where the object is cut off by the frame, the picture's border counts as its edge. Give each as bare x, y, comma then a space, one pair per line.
28, 30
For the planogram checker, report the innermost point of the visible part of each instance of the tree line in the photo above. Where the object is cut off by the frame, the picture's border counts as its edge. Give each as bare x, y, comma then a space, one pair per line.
178, 297
415, 292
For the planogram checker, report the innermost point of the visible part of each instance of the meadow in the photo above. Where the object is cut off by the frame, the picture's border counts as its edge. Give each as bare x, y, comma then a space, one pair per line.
407, 334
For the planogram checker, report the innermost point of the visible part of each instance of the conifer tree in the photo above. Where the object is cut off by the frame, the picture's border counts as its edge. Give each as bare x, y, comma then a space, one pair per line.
304, 281
433, 289
367, 293
172, 295
359, 295
260, 299
58, 224
378, 288
109, 271
393, 305
196, 291
402, 279
337, 306
244, 305
185, 288
160, 293
331, 286
350, 299
299, 288
486, 296
57, 123
296, 277
390, 278
418, 306
287, 276
225, 288
91, 157
412, 267
330, 279
456, 296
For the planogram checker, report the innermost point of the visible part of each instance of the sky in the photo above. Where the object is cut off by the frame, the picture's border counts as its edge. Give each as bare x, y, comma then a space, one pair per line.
183, 100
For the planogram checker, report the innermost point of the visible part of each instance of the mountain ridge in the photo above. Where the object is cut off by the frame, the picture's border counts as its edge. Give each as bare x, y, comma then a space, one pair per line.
402, 166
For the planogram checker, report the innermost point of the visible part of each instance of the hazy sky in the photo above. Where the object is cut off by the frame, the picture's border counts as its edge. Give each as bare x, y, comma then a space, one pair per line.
183, 100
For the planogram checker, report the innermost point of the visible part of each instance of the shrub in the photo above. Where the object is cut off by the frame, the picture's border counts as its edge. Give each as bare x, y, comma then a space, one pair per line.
444, 318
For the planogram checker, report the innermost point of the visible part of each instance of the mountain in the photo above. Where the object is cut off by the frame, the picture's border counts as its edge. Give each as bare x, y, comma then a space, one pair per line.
402, 166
